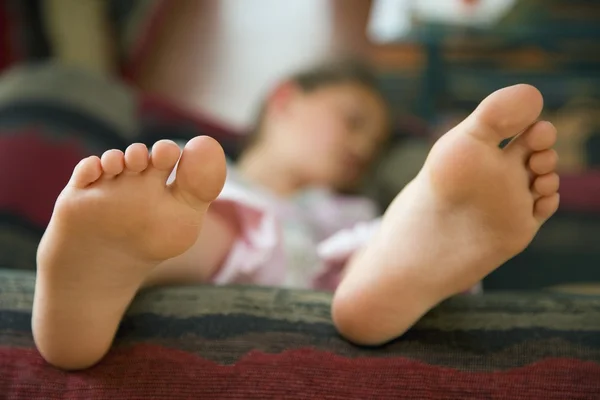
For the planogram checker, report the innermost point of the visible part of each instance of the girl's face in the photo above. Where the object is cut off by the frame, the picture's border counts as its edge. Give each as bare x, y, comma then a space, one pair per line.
329, 136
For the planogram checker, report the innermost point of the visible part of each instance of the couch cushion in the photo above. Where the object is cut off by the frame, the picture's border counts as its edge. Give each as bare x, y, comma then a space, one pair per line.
241, 342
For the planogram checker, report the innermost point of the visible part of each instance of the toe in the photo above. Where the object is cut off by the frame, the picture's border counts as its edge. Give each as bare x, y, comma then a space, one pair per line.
201, 172
86, 172
540, 136
546, 185
545, 207
505, 113
112, 162
136, 157
543, 162
164, 157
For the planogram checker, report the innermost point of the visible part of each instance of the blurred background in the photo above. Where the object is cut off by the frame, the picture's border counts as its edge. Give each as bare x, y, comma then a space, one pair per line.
110, 72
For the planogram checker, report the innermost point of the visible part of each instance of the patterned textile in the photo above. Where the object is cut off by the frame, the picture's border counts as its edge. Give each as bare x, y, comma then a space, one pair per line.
260, 343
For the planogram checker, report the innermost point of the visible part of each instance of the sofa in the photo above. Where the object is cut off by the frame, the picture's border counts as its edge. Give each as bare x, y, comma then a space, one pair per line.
239, 342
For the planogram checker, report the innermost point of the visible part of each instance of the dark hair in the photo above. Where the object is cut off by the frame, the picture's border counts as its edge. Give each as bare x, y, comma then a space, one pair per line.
329, 74
335, 73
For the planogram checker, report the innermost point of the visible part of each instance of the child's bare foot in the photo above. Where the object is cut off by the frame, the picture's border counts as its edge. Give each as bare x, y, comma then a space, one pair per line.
472, 207
113, 223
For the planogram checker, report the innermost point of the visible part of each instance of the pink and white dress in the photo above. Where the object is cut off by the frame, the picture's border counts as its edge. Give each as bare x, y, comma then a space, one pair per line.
301, 242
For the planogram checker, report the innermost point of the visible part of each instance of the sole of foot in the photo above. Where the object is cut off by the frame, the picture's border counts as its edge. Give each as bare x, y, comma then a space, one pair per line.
113, 223
472, 207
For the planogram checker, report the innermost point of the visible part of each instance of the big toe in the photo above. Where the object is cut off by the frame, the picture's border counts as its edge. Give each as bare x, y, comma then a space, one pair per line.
505, 113
201, 172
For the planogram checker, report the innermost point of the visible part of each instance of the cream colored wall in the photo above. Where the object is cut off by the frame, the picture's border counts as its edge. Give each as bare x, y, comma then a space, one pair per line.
259, 42
221, 56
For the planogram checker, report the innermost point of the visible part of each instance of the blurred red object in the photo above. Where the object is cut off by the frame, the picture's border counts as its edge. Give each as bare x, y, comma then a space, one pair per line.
580, 192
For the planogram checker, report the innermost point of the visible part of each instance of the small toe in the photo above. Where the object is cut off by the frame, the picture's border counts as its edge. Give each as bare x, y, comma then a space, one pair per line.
546, 185
112, 162
538, 137
545, 207
543, 162
164, 157
86, 172
136, 157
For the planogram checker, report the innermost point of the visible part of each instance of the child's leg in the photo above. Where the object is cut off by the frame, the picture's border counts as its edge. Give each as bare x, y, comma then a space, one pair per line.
472, 207
113, 224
